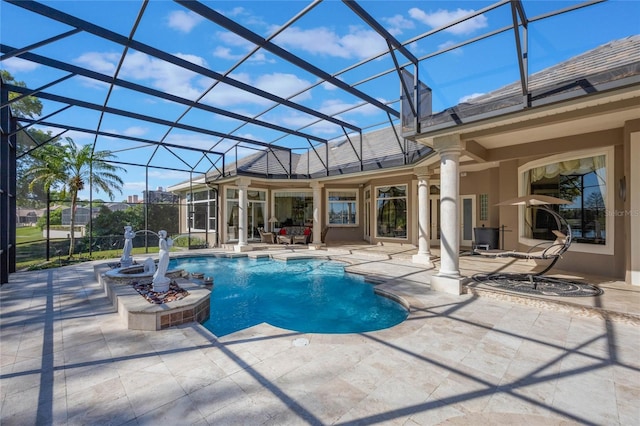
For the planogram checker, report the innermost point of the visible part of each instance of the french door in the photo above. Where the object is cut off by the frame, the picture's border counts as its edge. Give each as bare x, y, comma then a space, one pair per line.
467, 219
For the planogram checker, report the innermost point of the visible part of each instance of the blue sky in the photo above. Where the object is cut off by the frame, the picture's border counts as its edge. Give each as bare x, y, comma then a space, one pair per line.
330, 36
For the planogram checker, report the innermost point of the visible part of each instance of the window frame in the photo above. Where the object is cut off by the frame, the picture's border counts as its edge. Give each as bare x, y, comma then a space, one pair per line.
308, 194
375, 203
191, 208
328, 209
609, 202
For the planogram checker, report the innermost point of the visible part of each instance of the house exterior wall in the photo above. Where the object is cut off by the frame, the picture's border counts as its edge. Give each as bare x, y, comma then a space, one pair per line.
500, 181
629, 189
508, 215
611, 265
483, 182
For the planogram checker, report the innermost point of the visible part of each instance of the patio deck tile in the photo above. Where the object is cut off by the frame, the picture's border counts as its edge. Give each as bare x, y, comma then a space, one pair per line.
66, 358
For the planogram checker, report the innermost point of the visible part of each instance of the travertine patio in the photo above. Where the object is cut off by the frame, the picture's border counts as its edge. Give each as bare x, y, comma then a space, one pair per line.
67, 358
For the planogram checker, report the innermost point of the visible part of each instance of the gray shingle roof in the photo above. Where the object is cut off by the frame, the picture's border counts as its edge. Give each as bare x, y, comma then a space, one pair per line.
386, 148
577, 76
380, 148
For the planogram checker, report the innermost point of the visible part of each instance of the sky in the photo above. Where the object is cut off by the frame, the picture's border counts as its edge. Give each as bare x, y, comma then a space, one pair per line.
329, 36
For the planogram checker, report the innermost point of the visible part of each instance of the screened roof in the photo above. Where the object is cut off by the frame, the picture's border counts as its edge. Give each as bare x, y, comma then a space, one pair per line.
191, 86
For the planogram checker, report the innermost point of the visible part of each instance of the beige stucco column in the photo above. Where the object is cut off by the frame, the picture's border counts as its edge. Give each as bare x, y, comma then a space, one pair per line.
317, 212
242, 245
424, 252
448, 278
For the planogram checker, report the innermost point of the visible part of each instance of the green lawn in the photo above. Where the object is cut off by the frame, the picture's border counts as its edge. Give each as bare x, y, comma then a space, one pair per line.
27, 234
35, 260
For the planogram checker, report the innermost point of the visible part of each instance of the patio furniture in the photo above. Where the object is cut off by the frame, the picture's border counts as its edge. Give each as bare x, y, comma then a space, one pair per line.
267, 237
284, 239
302, 239
551, 250
293, 235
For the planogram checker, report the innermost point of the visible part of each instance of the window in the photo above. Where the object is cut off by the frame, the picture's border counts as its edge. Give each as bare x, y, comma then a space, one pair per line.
202, 207
391, 211
484, 207
293, 208
342, 207
583, 181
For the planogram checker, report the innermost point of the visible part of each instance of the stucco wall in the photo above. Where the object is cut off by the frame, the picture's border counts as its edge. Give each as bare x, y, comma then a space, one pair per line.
483, 182
579, 261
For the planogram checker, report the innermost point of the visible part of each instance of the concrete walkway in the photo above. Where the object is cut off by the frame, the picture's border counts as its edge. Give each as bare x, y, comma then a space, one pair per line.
66, 358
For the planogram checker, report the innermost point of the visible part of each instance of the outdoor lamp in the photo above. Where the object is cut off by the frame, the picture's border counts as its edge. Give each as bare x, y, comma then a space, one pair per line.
273, 220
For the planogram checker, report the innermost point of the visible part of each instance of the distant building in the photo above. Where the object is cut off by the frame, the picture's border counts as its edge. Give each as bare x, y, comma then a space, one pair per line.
82, 215
116, 207
28, 217
160, 196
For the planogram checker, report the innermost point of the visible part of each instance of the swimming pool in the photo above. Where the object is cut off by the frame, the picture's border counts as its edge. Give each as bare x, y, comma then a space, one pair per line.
309, 296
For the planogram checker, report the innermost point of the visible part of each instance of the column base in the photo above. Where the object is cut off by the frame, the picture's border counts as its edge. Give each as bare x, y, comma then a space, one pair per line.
314, 246
447, 284
422, 259
242, 248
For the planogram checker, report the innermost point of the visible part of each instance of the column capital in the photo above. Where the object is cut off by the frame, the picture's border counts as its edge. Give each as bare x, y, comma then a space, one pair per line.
422, 171
243, 182
316, 185
448, 144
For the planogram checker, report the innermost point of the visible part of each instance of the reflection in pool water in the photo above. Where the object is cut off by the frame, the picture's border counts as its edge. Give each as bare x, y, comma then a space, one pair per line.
310, 296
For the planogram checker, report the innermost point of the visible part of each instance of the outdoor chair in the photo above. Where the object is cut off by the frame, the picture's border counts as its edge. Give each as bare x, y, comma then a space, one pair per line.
553, 251
285, 239
302, 239
266, 237
550, 251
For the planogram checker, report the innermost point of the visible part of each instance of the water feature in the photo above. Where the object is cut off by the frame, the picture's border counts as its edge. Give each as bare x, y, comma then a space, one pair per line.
128, 271
160, 281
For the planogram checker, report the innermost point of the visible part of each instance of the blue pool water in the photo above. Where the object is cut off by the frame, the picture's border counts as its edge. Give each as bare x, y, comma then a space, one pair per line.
309, 296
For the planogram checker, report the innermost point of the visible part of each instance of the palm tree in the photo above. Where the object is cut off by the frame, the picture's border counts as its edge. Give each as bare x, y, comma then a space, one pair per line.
71, 168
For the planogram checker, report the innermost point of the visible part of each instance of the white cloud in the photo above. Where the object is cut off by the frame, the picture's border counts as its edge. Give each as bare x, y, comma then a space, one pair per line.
336, 106
233, 39
443, 17
139, 66
236, 11
135, 131
225, 53
297, 120
172, 175
183, 21
448, 44
192, 140
359, 43
102, 62
230, 40
16, 65
397, 24
80, 138
283, 85
280, 84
